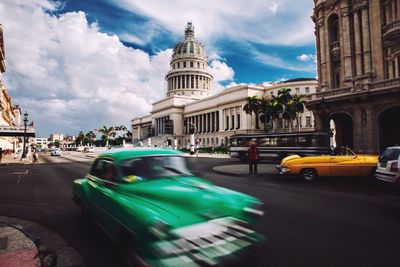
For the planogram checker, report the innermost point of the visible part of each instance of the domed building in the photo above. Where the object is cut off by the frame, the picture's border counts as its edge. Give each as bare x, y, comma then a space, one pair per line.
189, 104
188, 75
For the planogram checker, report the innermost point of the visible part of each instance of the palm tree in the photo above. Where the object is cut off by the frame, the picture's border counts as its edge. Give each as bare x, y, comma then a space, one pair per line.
296, 107
253, 106
124, 131
107, 133
266, 112
90, 136
80, 137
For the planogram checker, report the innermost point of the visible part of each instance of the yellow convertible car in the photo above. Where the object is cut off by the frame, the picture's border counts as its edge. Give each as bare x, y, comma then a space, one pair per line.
341, 163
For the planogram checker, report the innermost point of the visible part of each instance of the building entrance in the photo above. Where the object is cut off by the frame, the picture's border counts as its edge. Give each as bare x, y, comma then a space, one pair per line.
343, 124
389, 128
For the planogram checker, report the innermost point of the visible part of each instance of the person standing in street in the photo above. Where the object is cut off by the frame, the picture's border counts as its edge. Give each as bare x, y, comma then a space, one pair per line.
253, 158
1, 154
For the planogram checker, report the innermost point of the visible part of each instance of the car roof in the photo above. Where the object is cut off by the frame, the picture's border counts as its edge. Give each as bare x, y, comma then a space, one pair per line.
122, 154
393, 147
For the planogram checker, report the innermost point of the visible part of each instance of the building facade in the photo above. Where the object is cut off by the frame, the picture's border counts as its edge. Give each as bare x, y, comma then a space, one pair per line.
358, 58
214, 118
9, 115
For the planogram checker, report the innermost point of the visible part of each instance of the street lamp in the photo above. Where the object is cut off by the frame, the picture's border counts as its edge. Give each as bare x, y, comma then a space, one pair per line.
192, 137
25, 124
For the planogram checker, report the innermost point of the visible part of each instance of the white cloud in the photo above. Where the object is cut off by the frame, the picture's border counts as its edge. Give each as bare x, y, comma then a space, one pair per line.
259, 21
70, 76
221, 73
305, 57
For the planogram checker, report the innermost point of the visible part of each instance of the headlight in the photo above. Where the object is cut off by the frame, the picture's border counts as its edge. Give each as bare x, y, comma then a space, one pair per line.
159, 229
255, 209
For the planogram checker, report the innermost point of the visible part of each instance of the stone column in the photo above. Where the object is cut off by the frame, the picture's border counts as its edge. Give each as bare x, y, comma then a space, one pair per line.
346, 50
324, 52
357, 35
366, 41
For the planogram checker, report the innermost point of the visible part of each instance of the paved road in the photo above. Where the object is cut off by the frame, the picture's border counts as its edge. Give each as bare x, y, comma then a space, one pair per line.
332, 222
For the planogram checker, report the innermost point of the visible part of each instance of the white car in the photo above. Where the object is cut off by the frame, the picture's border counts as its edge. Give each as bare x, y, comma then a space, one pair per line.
79, 149
89, 149
388, 165
55, 152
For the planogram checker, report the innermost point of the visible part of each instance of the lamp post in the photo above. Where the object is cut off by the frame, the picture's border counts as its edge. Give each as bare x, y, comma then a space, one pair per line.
24, 145
192, 138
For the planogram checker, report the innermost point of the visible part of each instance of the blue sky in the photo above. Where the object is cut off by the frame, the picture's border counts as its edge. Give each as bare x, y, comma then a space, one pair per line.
77, 65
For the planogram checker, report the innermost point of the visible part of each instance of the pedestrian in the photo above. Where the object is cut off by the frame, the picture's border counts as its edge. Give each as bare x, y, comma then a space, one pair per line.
253, 155
35, 156
1, 154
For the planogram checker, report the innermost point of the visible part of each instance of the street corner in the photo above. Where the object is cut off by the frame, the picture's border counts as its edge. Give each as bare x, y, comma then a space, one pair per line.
27, 244
16, 247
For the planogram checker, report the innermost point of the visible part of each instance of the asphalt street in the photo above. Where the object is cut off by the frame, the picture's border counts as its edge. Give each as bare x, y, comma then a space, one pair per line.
331, 222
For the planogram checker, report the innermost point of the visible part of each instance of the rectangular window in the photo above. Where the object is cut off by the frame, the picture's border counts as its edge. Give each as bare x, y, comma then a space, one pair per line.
238, 121
191, 64
297, 90
307, 89
308, 121
233, 122
227, 123
184, 64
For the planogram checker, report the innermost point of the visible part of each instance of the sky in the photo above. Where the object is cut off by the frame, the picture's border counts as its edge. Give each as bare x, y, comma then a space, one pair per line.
76, 65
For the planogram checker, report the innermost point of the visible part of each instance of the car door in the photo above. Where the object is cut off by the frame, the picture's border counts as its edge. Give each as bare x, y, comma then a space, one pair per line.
345, 164
102, 184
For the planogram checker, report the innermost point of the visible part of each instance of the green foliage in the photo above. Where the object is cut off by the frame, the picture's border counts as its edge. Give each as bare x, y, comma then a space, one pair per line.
283, 105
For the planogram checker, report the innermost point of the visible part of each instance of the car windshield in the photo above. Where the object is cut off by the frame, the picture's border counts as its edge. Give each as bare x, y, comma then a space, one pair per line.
390, 154
156, 167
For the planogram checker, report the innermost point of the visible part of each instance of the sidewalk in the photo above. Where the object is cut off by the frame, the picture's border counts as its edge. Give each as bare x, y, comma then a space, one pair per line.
28, 244
16, 248
243, 169
9, 159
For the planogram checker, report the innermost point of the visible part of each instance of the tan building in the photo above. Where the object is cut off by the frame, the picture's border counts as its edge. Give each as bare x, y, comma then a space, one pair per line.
189, 103
358, 57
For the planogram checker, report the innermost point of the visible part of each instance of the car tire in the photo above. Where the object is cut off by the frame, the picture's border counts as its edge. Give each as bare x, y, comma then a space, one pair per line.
308, 175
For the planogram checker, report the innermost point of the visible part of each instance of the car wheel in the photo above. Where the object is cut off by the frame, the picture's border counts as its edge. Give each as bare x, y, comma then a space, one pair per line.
308, 175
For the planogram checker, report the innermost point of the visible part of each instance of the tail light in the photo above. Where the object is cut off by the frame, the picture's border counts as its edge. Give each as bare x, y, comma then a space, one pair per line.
394, 167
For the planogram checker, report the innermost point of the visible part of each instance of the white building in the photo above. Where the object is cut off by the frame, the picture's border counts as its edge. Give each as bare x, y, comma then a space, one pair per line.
216, 117
42, 142
56, 136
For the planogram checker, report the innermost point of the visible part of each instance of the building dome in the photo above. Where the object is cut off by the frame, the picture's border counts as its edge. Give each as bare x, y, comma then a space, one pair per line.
189, 64
189, 47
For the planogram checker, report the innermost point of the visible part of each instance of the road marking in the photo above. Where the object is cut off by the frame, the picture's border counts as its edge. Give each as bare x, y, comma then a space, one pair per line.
21, 172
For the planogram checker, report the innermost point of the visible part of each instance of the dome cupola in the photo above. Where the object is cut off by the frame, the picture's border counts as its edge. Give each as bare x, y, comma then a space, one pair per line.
189, 68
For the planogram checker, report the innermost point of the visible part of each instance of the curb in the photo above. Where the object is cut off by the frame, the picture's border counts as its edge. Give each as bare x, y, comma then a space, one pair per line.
241, 170
50, 249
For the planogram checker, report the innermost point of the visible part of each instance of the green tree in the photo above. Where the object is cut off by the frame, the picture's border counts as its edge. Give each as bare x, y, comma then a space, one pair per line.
79, 139
90, 137
107, 133
253, 105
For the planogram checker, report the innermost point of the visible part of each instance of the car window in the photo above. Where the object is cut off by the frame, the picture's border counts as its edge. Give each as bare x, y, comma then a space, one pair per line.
156, 167
389, 154
104, 169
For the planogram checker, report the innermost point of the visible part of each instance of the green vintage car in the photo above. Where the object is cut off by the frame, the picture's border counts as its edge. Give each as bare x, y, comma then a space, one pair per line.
161, 214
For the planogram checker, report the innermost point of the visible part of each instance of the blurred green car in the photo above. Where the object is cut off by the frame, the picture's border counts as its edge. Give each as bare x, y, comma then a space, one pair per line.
160, 214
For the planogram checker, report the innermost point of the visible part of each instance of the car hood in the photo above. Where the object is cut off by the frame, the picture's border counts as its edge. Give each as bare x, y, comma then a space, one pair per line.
184, 200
